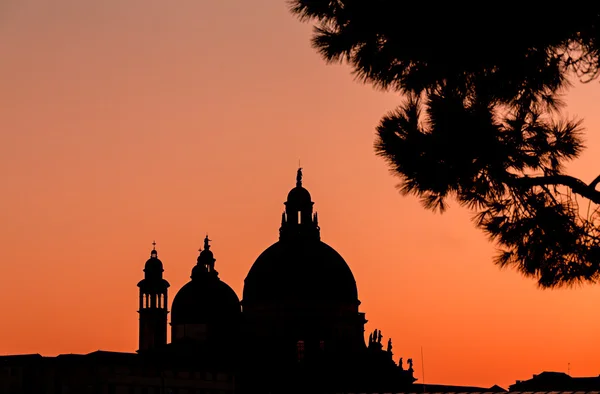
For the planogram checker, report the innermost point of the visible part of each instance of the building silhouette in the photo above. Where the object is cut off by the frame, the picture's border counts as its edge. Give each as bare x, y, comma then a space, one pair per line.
153, 304
557, 381
297, 328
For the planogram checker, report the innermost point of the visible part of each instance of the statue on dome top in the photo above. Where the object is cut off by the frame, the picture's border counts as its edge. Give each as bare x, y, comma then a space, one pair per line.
299, 177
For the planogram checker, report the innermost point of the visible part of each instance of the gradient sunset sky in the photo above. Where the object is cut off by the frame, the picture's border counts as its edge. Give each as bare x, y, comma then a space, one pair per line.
128, 121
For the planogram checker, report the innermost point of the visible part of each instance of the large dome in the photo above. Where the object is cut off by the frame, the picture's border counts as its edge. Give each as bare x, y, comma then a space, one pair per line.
204, 300
303, 270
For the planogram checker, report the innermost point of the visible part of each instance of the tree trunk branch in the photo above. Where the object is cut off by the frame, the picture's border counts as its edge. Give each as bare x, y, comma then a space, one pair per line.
576, 185
595, 182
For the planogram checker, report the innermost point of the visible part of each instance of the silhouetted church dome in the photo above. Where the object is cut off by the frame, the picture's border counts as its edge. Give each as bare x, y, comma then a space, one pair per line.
204, 300
299, 195
300, 266
303, 270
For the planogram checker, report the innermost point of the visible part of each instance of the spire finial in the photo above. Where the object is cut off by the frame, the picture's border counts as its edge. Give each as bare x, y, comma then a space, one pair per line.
206, 242
153, 253
299, 177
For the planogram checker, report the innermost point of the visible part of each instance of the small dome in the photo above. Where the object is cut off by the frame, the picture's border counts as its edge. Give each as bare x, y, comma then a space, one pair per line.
300, 270
153, 275
206, 255
154, 265
205, 299
299, 196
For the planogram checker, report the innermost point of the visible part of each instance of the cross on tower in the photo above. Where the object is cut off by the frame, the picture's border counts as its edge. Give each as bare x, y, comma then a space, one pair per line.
153, 245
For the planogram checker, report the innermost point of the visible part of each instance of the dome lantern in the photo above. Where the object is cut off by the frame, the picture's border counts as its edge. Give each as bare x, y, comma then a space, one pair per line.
298, 221
206, 261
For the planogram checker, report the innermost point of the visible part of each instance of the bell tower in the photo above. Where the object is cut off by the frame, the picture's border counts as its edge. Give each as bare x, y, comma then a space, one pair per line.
153, 308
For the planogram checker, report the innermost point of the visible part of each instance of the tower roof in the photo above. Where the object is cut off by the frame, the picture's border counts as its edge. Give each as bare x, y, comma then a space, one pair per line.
153, 273
153, 264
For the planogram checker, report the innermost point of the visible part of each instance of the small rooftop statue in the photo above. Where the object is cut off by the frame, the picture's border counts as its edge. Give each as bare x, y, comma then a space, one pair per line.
299, 177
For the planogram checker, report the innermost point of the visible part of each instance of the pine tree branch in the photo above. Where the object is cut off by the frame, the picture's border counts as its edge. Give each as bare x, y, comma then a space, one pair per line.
576, 185
595, 182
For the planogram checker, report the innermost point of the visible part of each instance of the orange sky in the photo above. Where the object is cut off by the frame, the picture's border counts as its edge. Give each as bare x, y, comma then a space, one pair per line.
128, 121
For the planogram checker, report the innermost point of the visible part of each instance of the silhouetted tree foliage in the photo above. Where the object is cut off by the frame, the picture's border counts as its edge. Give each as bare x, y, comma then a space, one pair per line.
481, 119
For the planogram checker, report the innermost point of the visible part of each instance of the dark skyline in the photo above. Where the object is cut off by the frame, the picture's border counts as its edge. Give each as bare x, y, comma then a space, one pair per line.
122, 118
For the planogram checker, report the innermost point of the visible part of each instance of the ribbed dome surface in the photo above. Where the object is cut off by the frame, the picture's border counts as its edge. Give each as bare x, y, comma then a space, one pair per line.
205, 300
300, 270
